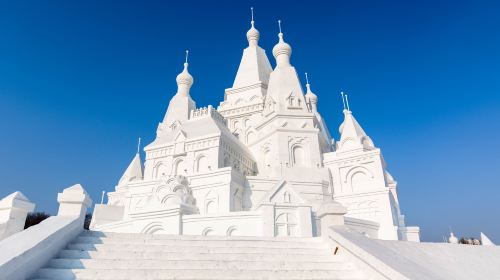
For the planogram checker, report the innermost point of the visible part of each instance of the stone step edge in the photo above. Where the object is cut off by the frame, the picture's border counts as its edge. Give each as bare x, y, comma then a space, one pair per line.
198, 245
192, 269
105, 239
221, 254
209, 261
198, 237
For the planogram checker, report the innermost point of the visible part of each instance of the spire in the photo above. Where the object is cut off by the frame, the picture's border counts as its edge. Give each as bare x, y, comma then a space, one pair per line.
485, 241
184, 79
311, 98
452, 239
133, 172
253, 34
254, 66
181, 104
282, 51
352, 136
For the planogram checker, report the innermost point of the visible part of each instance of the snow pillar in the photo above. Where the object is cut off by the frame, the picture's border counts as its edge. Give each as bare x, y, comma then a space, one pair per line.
13, 211
73, 201
331, 213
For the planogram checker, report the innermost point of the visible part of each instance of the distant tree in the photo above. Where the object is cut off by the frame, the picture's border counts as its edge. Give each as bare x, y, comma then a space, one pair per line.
469, 241
88, 219
34, 218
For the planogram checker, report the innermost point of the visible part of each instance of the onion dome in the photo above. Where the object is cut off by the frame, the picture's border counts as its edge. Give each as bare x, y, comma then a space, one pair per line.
282, 51
309, 94
253, 35
184, 80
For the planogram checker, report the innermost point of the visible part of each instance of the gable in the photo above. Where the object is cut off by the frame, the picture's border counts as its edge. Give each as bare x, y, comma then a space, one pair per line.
282, 194
181, 136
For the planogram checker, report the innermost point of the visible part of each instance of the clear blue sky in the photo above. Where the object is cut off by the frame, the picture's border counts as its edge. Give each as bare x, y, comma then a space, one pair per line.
80, 82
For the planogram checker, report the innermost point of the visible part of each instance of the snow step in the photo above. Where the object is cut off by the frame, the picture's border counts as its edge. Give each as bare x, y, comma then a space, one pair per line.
114, 274
101, 234
198, 249
101, 256
322, 256
205, 264
204, 243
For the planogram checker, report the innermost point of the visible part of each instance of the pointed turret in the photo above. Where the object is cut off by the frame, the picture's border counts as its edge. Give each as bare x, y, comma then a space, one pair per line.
485, 241
134, 171
312, 104
181, 104
254, 66
311, 98
352, 136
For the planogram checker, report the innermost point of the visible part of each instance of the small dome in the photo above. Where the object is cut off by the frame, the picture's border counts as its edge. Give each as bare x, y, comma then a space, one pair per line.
452, 239
184, 78
282, 48
253, 35
309, 94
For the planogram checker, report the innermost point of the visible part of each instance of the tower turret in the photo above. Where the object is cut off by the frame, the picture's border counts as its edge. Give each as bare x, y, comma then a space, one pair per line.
352, 135
181, 104
282, 51
134, 170
254, 66
311, 98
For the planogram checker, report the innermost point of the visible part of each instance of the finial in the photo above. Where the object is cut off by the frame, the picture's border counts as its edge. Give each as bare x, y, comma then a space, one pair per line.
347, 103
279, 25
102, 197
307, 79
187, 54
251, 8
343, 101
139, 145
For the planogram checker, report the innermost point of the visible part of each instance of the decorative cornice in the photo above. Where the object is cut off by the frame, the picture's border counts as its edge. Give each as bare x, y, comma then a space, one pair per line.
242, 89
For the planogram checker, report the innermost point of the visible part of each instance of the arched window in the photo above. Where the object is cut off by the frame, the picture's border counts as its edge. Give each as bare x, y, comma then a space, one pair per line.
207, 231
211, 203
232, 231
159, 170
298, 156
360, 181
210, 207
286, 225
154, 228
202, 164
179, 167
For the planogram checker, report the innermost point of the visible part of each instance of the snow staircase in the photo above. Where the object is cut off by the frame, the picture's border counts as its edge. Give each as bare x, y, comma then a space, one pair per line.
99, 255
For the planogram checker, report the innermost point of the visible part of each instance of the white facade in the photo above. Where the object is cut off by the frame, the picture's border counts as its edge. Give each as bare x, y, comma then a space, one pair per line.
261, 164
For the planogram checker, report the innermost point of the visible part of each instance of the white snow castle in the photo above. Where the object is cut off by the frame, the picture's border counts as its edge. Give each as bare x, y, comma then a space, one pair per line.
253, 189
262, 163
